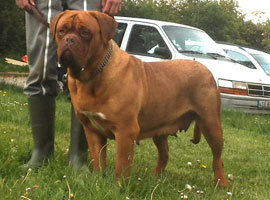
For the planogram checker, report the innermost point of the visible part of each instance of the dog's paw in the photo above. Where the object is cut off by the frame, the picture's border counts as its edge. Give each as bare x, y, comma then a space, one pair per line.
195, 141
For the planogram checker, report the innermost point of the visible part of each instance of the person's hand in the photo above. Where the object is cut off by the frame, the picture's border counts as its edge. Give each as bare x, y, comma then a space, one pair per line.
111, 7
25, 4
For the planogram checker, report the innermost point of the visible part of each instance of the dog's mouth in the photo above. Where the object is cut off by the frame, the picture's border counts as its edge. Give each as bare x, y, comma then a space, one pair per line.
68, 60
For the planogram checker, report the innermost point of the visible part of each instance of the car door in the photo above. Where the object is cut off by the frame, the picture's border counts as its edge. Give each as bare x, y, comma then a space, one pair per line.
143, 41
120, 33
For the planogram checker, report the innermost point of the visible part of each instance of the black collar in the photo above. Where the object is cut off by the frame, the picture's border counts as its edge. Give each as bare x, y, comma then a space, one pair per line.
103, 64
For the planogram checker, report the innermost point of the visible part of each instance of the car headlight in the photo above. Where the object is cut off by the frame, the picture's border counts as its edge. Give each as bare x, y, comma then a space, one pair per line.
240, 85
225, 83
232, 87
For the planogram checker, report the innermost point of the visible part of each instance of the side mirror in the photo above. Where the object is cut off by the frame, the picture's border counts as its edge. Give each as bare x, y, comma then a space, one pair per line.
163, 52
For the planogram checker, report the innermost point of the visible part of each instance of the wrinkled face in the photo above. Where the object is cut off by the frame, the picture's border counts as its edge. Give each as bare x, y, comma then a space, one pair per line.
80, 35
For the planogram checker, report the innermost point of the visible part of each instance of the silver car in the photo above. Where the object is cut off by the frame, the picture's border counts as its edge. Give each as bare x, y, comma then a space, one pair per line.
150, 40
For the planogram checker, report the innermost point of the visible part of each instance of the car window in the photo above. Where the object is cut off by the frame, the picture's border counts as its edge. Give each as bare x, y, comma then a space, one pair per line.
147, 41
188, 40
119, 34
240, 58
264, 61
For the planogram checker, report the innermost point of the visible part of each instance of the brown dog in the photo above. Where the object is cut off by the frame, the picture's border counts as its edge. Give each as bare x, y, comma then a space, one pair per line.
118, 96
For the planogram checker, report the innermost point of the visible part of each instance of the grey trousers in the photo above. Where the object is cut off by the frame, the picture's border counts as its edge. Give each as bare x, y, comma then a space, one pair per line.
41, 48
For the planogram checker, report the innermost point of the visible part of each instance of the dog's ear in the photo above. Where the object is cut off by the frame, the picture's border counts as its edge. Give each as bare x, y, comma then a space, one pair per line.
54, 23
106, 23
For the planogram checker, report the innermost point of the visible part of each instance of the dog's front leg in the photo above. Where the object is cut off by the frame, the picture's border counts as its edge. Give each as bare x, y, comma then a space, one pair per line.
124, 155
97, 145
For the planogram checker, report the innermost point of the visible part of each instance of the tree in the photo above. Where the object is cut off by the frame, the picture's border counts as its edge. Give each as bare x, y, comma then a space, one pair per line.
220, 19
252, 34
12, 29
266, 36
151, 9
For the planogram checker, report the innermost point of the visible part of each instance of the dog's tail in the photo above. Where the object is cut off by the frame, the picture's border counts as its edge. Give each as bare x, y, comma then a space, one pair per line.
197, 134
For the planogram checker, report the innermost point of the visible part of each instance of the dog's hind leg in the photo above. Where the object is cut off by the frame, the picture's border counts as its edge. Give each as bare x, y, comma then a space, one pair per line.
161, 143
211, 128
197, 134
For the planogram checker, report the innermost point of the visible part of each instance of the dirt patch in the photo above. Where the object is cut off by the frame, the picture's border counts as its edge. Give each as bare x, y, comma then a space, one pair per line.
13, 78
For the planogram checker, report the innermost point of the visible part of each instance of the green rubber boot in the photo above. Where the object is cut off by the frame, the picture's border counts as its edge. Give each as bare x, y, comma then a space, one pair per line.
78, 150
42, 116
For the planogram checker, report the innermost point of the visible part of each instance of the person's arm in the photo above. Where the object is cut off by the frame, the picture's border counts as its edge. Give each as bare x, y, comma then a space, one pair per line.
111, 7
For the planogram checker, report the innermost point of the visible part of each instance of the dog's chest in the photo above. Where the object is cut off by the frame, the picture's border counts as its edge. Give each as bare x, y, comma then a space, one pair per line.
98, 122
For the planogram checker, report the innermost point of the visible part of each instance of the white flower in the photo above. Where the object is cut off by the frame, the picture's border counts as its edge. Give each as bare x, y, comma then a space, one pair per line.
229, 193
200, 192
230, 177
188, 187
184, 197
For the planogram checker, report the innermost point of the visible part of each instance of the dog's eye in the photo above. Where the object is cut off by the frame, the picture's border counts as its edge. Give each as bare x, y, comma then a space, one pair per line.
85, 33
61, 32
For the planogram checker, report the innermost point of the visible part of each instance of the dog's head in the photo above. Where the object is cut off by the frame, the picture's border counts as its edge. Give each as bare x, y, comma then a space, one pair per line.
81, 36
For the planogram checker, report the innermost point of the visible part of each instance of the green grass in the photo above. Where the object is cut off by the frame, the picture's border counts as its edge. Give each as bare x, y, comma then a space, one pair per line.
246, 157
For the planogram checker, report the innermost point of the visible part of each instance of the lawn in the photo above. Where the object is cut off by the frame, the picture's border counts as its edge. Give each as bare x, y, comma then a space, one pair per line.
188, 174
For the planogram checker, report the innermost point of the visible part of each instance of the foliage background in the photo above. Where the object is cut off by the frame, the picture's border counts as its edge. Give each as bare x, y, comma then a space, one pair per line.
12, 30
222, 20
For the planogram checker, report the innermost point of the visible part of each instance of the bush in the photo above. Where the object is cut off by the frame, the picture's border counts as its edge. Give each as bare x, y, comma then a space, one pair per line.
12, 31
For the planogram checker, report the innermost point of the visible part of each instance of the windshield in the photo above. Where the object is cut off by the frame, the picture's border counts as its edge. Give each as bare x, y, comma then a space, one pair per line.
240, 58
264, 61
193, 42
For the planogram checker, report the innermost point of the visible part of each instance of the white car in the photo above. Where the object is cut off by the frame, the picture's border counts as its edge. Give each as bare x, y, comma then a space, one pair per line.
261, 58
251, 58
152, 40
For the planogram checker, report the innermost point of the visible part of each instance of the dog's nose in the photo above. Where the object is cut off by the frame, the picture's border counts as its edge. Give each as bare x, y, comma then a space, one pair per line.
69, 41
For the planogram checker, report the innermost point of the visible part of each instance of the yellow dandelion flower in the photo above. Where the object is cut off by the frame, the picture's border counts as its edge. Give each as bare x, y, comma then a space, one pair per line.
203, 166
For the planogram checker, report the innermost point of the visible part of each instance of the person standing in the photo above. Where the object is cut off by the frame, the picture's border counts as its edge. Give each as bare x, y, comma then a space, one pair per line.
41, 85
